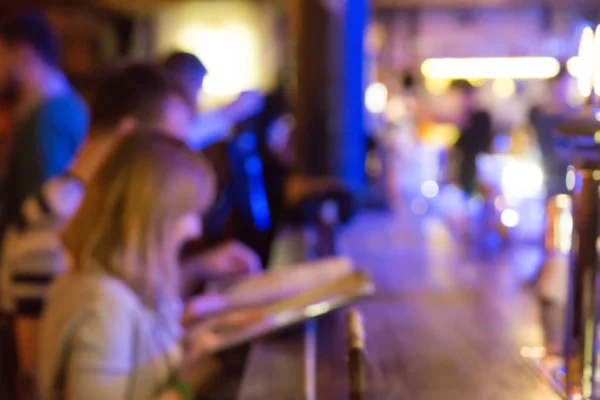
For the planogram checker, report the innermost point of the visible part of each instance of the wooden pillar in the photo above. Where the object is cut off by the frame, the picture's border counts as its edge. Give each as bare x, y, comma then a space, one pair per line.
330, 70
310, 39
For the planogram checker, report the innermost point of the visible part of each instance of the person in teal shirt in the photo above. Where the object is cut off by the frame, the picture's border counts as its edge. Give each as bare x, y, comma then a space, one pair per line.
51, 118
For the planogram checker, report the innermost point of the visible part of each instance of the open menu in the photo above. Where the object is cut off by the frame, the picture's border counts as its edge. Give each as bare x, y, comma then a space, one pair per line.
280, 299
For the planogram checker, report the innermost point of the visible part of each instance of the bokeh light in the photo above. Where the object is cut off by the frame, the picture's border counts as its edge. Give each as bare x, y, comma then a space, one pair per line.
585, 67
430, 189
376, 97
522, 179
491, 68
504, 88
509, 218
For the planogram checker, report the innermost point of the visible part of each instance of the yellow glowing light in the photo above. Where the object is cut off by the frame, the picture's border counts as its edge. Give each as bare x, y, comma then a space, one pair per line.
376, 97
504, 88
477, 82
597, 136
223, 51
442, 135
234, 39
437, 87
585, 65
491, 68
563, 201
573, 65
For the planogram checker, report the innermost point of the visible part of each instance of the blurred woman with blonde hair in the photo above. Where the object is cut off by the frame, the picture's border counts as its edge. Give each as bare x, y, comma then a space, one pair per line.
111, 327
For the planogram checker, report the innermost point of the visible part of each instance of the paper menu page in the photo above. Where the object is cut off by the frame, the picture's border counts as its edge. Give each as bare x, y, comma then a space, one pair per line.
286, 282
229, 329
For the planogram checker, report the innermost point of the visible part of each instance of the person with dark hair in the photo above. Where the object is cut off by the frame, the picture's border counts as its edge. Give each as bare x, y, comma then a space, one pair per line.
48, 122
207, 129
139, 96
215, 125
272, 127
189, 70
475, 135
51, 118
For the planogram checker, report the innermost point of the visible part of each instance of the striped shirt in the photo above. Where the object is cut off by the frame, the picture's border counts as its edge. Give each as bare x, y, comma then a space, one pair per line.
33, 254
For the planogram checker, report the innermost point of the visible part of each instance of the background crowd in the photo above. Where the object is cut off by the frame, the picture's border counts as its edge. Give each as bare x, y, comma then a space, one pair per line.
98, 203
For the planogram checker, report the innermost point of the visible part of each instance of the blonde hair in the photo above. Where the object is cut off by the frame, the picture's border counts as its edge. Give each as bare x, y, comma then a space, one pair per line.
126, 222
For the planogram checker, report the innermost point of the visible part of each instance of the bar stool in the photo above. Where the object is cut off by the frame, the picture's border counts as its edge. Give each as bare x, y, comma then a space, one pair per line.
578, 139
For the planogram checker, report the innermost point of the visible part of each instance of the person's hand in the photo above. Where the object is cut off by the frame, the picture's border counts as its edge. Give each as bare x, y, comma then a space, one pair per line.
229, 259
202, 306
278, 137
247, 104
199, 366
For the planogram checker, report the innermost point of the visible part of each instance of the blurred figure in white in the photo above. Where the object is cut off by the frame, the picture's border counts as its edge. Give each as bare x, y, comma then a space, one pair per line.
398, 141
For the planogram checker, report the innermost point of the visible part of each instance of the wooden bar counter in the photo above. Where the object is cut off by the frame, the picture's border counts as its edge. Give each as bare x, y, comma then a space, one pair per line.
447, 323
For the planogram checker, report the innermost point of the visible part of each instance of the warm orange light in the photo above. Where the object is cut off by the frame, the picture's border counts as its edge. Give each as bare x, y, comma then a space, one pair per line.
437, 87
